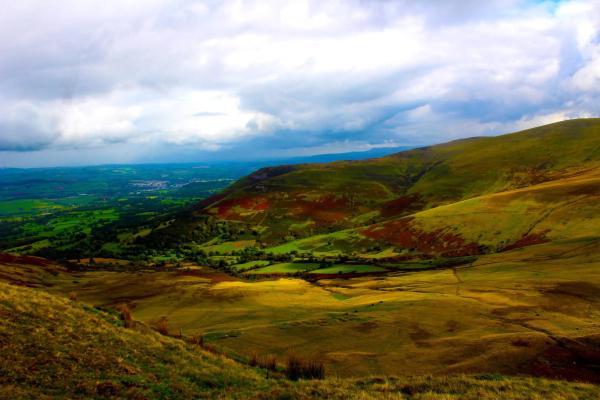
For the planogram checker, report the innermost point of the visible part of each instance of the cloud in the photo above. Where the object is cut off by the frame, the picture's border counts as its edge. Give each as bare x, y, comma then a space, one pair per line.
23, 127
254, 76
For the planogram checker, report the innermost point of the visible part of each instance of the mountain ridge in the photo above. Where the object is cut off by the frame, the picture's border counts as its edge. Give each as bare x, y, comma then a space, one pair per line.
350, 194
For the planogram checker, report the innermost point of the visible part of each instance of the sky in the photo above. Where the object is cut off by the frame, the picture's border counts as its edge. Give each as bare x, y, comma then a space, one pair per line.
95, 82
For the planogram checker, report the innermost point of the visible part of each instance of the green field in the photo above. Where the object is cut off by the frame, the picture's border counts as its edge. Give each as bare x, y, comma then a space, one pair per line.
250, 265
228, 247
284, 268
29, 206
348, 269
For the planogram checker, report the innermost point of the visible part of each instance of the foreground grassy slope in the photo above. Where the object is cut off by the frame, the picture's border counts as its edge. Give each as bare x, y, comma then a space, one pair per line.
307, 199
52, 347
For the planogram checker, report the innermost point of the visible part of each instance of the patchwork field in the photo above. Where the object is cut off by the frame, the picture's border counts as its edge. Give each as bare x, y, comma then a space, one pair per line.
99, 211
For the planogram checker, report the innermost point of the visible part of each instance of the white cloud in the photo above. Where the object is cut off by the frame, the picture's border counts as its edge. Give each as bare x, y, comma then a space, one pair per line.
79, 74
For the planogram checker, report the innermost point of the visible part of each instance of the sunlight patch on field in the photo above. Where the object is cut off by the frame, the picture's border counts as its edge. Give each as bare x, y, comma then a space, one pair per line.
228, 247
285, 268
347, 269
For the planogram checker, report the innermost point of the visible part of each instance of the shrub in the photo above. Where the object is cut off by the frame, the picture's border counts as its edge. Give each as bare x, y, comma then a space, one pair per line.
269, 362
197, 340
253, 360
293, 368
314, 369
107, 389
298, 368
125, 314
162, 326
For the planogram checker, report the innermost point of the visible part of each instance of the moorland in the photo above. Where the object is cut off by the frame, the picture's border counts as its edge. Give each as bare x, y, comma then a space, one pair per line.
468, 269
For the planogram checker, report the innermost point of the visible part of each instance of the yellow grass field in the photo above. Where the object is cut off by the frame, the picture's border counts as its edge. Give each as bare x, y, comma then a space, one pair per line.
59, 348
531, 310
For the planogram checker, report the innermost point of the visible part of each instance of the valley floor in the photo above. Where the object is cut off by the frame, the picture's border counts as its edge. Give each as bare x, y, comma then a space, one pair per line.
52, 347
533, 311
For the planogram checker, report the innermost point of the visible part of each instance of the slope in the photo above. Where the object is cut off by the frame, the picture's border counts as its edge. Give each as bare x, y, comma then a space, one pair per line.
558, 210
52, 348
282, 203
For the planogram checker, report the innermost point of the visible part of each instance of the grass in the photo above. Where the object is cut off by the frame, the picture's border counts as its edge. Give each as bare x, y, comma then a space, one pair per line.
463, 319
284, 268
43, 234
500, 219
386, 253
27, 206
228, 247
492, 252
303, 225
62, 205
250, 265
416, 180
68, 343
556, 210
32, 247
347, 269
82, 352
330, 244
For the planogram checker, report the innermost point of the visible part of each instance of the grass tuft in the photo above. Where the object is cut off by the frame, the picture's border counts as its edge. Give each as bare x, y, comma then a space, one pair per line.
162, 326
125, 314
298, 368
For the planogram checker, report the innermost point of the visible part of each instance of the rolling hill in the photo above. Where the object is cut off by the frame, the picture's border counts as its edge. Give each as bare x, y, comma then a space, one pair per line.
538, 171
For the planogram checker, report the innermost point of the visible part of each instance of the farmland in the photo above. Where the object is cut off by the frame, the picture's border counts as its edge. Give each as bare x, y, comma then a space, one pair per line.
98, 209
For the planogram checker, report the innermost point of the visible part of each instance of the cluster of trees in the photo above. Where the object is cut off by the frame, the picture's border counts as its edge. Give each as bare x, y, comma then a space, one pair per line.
196, 229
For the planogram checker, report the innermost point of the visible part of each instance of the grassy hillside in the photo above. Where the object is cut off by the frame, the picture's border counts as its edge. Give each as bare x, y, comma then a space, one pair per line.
561, 209
53, 348
303, 200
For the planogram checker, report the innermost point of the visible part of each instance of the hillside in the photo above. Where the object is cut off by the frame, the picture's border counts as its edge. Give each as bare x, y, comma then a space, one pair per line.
414, 192
53, 348
561, 209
